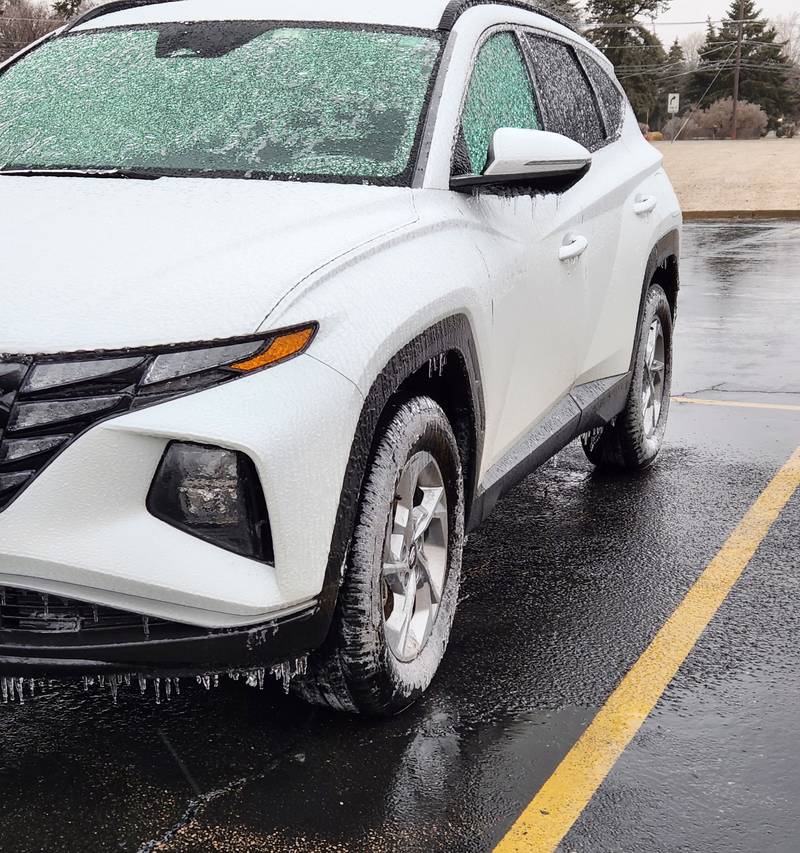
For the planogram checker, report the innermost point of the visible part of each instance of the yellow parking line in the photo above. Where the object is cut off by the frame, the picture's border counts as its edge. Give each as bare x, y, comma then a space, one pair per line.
560, 801
781, 407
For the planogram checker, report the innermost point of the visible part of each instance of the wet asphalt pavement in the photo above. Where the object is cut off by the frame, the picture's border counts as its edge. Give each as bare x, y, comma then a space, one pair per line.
565, 586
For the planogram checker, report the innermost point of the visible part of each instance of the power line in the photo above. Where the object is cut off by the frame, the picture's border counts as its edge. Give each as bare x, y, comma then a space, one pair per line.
626, 25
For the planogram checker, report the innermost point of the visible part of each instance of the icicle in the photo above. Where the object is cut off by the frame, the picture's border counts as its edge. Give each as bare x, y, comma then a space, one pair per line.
178, 686
127, 678
205, 680
168, 688
46, 600
95, 614
285, 672
142, 684
20, 684
3, 597
114, 685
260, 673
146, 626
102, 680
32, 685
157, 690
216, 680
4, 689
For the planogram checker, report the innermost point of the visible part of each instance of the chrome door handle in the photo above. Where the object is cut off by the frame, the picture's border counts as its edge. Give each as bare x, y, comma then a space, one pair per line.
644, 204
574, 246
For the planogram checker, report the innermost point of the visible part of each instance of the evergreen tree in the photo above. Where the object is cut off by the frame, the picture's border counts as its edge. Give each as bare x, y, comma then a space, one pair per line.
567, 9
67, 8
765, 69
637, 54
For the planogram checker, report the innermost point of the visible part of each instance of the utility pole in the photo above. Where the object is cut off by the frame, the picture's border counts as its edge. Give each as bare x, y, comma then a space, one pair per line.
738, 67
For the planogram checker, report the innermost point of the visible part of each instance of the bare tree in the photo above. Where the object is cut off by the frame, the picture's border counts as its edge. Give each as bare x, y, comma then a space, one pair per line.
788, 29
691, 45
21, 22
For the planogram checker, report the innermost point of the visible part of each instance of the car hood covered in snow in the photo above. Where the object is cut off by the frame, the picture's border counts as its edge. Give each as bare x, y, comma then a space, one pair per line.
98, 263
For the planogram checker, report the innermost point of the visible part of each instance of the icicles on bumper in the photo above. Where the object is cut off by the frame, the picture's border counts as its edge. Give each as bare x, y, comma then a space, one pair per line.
160, 688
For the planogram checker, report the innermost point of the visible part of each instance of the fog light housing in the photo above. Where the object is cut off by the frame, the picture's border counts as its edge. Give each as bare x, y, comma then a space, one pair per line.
214, 494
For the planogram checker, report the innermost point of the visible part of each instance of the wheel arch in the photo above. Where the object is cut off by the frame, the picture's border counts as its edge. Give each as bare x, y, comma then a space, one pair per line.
663, 268
441, 362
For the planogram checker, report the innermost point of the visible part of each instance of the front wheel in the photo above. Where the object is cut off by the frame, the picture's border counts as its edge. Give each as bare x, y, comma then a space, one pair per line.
402, 576
633, 440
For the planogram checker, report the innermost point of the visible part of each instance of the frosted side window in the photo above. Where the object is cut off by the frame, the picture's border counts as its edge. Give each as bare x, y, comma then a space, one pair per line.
567, 101
609, 94
500, 95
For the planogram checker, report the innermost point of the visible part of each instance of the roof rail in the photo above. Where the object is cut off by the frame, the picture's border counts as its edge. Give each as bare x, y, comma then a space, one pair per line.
456, 8
108, 9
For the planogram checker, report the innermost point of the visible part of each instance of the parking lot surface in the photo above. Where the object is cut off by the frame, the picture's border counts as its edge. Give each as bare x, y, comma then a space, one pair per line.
565, 586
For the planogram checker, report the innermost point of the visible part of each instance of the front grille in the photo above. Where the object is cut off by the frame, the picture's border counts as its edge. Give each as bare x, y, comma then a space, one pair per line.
34, 612
46, 402
40, 416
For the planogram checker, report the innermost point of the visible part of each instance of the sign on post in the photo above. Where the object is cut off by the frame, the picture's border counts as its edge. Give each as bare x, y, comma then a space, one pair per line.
673, 103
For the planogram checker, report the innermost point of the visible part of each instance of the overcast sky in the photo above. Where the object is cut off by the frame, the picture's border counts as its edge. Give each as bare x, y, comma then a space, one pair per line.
692, 10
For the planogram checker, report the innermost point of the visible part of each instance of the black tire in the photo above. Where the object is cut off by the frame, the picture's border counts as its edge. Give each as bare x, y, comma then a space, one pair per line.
630, 442
356, 670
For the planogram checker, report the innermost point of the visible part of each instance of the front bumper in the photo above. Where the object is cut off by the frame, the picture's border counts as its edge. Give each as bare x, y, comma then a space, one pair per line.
158, 649
81, 529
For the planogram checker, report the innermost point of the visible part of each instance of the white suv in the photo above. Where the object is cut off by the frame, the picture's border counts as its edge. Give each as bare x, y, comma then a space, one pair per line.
293, 292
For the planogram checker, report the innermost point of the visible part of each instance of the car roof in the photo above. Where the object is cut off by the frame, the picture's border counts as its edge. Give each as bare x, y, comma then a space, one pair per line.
414, 14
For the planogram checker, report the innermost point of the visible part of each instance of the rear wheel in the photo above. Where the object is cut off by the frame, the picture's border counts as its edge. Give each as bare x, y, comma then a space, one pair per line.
398, 599
633, 440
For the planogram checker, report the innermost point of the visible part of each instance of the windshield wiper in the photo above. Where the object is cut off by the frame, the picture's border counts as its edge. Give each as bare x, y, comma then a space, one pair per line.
134, 174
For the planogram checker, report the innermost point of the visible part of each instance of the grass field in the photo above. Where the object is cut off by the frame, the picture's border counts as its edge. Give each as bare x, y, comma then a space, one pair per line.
726, 177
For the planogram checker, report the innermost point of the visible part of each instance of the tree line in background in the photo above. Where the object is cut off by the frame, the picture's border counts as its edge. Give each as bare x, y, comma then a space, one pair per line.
700, 69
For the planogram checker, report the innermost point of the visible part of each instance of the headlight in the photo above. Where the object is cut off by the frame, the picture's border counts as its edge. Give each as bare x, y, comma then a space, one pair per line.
215, 495
47, 401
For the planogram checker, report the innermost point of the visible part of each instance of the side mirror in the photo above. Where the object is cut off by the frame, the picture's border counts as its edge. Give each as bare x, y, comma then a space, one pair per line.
534, 159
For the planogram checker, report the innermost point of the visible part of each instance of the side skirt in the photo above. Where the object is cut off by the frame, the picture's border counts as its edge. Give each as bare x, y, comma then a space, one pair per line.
586, 407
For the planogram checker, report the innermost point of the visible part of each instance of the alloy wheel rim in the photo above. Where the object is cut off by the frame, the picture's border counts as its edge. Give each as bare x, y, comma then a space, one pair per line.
653, 378
414, 566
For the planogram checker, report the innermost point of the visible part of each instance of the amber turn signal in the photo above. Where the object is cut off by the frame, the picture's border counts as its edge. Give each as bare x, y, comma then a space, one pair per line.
285, 345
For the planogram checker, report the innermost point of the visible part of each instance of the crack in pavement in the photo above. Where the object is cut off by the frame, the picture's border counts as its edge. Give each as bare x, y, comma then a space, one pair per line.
198, 804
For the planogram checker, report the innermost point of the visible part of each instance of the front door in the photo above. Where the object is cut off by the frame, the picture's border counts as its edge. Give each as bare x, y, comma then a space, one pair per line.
537, 286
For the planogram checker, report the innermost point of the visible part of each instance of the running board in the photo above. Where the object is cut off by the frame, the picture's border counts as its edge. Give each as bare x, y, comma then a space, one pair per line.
586, 407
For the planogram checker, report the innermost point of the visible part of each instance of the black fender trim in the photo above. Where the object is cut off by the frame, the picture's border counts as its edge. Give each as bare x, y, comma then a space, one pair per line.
667, 247
452, 336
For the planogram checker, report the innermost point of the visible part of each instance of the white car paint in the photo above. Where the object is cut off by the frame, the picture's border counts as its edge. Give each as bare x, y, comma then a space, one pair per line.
174, 260
177, 260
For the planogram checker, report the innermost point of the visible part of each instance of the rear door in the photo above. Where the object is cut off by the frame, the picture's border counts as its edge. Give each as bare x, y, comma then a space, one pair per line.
573, 106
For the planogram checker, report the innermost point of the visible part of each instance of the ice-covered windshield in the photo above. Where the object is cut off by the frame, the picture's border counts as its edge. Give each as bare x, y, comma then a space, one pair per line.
241, 98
